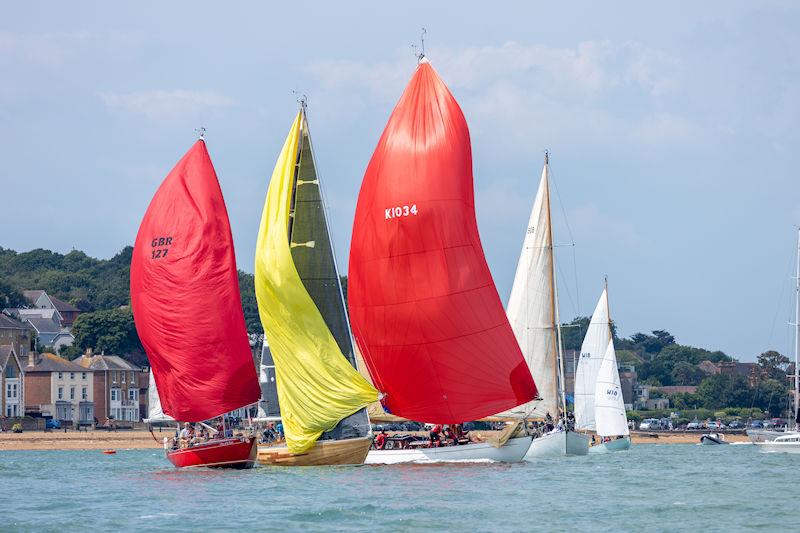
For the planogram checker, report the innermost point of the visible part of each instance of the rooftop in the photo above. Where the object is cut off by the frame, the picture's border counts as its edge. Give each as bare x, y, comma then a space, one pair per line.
7, 322
49, 362
63, 306
105, 362
5, 353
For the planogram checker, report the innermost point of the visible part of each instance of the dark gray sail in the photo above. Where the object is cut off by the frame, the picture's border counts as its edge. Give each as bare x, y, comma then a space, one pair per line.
315, 262
269, 388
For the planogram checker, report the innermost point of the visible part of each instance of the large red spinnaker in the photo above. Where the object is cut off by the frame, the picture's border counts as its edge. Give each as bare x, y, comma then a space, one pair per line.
185, 296
423, 306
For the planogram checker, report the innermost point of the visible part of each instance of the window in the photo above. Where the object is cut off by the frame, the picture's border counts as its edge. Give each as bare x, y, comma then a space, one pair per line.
133, 378
9, 371
72, 393
83, 375
114, 395
114, 376
84, 394
123, 376
133, 394
61, 393
72, 375
60, 375
14, 390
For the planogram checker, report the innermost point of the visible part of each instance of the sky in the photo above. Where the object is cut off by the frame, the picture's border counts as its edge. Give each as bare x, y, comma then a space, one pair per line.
673, 131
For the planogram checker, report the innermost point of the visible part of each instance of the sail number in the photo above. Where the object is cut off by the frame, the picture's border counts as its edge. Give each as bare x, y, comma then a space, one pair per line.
160, 247
400, 211
611, 392
585, 355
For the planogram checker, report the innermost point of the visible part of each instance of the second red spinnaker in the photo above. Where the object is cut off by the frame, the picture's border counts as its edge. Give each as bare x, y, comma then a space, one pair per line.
423, 306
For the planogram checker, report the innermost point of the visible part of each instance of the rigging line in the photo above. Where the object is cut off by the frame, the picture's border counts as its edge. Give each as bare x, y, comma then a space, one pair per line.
569, 295
571, 238
781, 295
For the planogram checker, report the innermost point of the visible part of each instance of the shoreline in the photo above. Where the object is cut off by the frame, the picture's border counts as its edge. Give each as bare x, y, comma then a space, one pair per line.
141, 439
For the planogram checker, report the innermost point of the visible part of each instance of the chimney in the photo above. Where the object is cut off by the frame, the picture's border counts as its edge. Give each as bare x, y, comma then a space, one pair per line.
31, 358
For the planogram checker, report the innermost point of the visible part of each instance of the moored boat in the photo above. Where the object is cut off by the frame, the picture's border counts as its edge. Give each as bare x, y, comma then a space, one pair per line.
425, 311
321, 396
184, 258
787, 443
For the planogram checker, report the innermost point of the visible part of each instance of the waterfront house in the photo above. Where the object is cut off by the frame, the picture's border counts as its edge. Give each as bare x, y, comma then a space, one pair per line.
117, 385
57, 388
46, 324
11, 383
18, 334
39, 299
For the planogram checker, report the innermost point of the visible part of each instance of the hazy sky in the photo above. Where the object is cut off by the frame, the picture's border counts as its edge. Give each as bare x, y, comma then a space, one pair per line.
673, 130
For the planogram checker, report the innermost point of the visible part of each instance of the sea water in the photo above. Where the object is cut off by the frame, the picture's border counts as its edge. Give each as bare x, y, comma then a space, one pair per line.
649, 488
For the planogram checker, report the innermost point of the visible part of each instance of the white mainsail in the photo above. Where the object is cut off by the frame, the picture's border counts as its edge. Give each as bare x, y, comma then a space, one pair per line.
154, 411
593, 349
610, 419
531, 306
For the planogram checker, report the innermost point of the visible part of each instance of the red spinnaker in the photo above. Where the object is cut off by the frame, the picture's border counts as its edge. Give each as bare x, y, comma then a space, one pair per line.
423, 306
185, 296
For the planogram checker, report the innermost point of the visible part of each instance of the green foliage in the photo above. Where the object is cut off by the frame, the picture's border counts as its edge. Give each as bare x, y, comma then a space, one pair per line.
110, 330
70, 352
88, 283
724, 390
774, 364
247, 289
9, 296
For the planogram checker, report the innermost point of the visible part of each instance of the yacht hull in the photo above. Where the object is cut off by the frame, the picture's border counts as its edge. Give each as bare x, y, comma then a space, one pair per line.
223, 453
344, 452
512, 451
617, 445
562, 443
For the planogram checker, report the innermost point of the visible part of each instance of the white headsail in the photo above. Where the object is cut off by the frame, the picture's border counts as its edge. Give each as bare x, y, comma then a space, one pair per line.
531, 306
610, 419
154, 411
593, 349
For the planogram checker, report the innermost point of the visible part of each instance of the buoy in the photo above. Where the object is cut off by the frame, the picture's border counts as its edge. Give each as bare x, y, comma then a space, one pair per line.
109, 452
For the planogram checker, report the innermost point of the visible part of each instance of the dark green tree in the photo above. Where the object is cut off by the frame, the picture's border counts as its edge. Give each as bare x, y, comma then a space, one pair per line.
9, 296
724, 390
774, 364
112, 331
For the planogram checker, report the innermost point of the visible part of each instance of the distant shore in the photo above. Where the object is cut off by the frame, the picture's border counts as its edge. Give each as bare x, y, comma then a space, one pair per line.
138, 439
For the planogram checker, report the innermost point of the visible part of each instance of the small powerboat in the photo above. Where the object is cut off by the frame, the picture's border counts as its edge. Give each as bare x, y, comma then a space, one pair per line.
713, 438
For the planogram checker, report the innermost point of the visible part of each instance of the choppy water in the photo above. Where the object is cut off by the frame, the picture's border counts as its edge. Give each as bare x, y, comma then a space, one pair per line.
649, 488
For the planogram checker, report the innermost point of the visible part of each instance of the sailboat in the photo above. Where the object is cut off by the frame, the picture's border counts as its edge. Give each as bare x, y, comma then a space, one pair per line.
321, 395
188, 312
599, 405
425, 311
779, 441
155, 413
534, 317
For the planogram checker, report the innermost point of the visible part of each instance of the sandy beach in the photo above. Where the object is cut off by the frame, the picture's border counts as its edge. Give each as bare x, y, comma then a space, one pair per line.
139, 439
80, 440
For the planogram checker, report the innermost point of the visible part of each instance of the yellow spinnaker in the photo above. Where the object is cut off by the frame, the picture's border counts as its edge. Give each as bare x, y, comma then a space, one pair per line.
317, 387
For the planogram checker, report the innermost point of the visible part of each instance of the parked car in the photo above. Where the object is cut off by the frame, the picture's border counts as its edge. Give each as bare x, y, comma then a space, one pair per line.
712, 426
736, 424
650, 423
757, 424
694, 424
52, 423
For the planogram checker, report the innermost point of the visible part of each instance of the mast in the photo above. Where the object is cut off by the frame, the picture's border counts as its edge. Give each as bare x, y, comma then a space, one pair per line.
556, 315
797, 332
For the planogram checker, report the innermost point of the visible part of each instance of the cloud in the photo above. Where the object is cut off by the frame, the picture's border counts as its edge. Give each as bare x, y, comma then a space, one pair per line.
594, 94
159, 105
